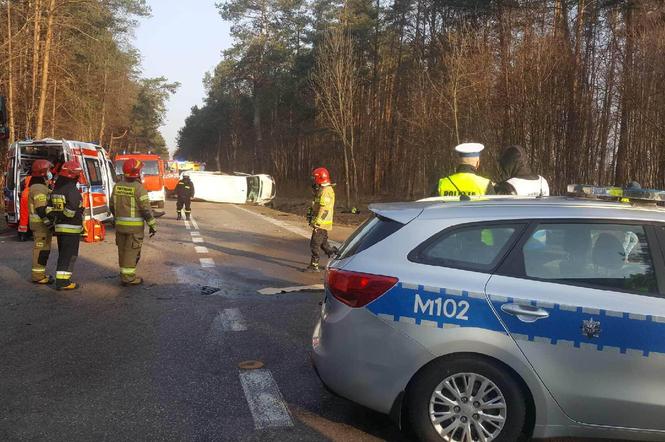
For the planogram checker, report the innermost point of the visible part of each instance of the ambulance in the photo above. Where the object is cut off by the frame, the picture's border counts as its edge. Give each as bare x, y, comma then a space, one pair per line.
96, 184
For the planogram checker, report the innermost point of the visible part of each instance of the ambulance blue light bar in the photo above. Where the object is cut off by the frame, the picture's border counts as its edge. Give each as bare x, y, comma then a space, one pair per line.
609, 192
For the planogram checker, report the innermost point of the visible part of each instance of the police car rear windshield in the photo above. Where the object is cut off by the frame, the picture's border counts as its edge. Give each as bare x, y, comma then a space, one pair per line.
375, 229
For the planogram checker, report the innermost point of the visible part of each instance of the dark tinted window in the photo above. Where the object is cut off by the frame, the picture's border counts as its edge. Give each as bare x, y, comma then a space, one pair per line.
94, 172
614, 256
478, 247
10, 175
369, 233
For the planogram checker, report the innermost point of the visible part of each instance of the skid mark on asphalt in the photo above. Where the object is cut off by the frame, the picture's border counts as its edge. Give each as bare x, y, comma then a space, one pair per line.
264, 399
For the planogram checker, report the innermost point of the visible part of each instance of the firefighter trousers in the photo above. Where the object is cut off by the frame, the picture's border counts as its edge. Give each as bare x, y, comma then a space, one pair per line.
320, 242
186, 203
129, 254
68, 251
41, 250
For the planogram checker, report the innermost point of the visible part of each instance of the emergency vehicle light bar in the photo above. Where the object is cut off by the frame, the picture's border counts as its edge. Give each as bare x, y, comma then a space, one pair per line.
588, 191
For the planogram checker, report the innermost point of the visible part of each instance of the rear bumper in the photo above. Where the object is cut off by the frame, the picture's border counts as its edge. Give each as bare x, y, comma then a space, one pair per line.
362, 358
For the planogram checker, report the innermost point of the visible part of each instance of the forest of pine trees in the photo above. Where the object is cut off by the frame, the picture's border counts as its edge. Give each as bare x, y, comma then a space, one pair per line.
68, 70
380, 91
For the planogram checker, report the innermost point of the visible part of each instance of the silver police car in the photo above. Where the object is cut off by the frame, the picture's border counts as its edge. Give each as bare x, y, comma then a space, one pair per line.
502, 319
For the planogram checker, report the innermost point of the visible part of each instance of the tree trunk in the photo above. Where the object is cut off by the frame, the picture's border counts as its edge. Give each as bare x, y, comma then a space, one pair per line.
53, 107
43, 92
622, 169
36, 41
10, 76
102, 123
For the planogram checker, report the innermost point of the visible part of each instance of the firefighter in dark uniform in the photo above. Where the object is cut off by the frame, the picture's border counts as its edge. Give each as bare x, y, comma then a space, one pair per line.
320, 217
40, 224
465, 181
67, 211
130, 206
185, 192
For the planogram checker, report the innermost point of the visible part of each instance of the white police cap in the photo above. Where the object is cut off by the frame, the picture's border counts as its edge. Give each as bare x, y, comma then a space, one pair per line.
469, 149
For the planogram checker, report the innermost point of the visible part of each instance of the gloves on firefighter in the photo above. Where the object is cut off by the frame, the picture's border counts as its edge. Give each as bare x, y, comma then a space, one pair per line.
152, 231
47, 222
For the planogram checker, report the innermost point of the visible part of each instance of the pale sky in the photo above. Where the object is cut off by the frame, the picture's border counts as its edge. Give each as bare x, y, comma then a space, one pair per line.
181, 41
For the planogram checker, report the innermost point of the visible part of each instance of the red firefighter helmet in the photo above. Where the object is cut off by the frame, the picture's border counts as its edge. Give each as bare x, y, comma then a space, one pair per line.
41, 168
71, 169
131, 168
321, 176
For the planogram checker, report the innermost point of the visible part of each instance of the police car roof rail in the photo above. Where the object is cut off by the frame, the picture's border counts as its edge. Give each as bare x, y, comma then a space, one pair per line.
629, 194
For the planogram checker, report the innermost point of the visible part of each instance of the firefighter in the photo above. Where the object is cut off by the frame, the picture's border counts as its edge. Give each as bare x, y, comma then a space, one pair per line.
320, 217
40, 224
67, 209
518, 179
130, 206
185, 192
465, 181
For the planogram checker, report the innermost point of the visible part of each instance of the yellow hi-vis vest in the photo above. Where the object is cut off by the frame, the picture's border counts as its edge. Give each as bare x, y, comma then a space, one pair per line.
324, 206
465, 182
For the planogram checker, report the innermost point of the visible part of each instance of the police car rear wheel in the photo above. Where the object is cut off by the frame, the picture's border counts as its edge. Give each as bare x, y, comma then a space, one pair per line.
466, 399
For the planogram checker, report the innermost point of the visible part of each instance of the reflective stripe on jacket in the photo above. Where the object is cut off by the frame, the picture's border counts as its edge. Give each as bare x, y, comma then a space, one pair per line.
130, 205
38, 198
67, 205
463, 183
324, 207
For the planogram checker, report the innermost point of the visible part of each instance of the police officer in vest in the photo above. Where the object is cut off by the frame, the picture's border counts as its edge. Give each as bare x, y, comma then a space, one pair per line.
130, 205
67, 208
518, 179
465, 181
40, 224
185, 192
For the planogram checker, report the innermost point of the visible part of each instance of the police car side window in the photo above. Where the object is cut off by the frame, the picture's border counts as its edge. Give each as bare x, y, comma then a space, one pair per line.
478, 247
609, 256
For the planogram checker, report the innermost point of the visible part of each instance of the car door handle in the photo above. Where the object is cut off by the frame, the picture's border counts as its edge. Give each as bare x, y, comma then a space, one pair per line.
525, 313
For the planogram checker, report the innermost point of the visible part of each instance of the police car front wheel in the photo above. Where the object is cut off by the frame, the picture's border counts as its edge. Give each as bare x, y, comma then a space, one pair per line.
466, 399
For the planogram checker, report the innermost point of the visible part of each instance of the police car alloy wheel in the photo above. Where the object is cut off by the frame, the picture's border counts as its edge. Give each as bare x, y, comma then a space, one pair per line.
466, 399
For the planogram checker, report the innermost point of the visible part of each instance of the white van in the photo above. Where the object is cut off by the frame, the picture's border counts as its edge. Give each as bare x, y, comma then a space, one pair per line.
96, 184
219, 187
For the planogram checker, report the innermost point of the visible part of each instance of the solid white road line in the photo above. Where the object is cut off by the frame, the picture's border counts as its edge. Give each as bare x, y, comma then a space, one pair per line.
201, 249
187, 226
305, 233
197, 239
277, 290
194, 223
207, 263
264, 400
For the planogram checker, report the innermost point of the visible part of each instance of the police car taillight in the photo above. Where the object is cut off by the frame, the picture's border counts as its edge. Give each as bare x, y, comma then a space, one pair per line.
357, 289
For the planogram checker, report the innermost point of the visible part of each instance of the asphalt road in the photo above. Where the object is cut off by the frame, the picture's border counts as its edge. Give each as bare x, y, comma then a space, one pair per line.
160, 361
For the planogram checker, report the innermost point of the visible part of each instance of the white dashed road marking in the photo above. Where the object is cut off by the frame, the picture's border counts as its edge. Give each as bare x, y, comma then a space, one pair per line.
207, 263
195, 233
277, 290
264, 400
187, 226
197, 239
201, 249
194, 223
